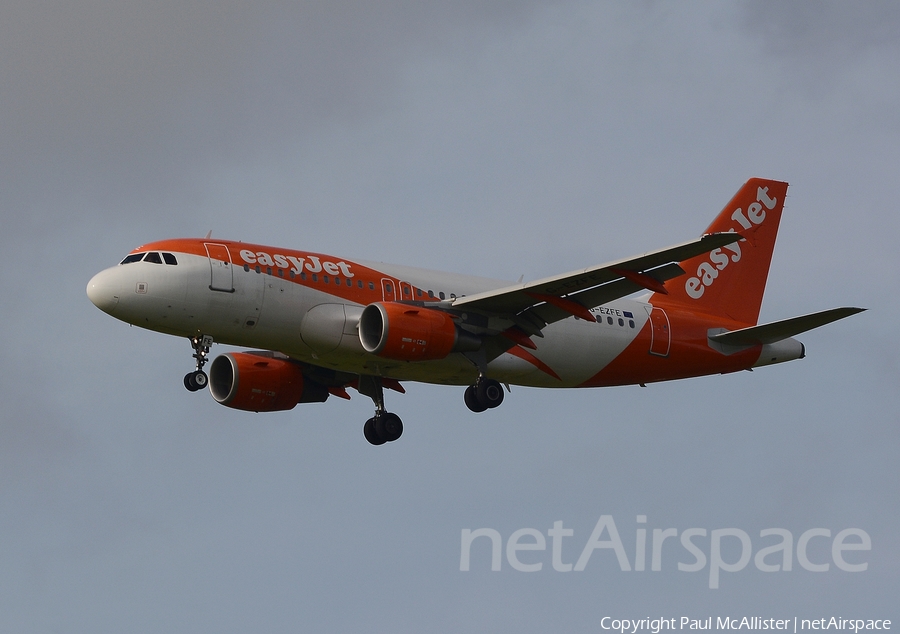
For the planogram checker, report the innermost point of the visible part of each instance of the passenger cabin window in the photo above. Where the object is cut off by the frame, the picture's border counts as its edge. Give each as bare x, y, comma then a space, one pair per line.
134, 257
170, 259
153, 257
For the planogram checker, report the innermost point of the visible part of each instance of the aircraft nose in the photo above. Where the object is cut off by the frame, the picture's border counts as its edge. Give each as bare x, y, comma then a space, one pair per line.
103, 291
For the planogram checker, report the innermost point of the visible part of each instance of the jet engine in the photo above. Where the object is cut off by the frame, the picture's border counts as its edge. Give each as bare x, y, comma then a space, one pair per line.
260, 382
411, 333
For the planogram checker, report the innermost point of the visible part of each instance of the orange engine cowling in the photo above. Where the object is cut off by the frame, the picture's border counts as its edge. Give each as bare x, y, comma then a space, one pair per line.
259, 382
411, 333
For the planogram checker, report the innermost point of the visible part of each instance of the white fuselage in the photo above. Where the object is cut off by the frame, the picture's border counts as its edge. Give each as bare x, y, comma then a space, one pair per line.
309, 323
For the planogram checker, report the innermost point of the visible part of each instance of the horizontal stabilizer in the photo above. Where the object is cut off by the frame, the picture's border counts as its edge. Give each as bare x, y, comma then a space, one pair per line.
780, 330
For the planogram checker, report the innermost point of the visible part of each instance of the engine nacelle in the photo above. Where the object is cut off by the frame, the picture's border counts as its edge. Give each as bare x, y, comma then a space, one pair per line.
411, 333
260, 382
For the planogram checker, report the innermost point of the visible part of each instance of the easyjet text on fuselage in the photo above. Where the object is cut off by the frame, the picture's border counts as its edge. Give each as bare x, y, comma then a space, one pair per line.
310, 263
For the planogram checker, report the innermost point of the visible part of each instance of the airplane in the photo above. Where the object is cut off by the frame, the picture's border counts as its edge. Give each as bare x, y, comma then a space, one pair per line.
320, 323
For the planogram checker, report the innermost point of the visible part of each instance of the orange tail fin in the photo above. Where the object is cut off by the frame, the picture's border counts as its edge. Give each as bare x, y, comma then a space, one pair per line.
730, 281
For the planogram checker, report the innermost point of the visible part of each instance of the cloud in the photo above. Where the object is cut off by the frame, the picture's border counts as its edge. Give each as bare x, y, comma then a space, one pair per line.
120, 98
831, 29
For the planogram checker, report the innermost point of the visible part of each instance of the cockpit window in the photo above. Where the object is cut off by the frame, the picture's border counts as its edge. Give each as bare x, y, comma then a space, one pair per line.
134, 257
169, 258
153, 256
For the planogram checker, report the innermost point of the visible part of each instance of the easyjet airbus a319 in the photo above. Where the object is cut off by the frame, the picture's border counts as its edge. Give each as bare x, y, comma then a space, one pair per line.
324, 323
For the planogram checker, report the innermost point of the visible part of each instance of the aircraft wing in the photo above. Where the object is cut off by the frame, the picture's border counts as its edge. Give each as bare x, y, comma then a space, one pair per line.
779, 330
544, 301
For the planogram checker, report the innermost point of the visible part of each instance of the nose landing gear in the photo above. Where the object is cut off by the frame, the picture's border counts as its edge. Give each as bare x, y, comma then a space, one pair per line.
197, 380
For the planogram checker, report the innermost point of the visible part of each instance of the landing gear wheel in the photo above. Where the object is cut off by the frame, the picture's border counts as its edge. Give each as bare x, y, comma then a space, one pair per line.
388, 426
489, 392
472, 402
200, 379
384, 426
194, 381
370, 433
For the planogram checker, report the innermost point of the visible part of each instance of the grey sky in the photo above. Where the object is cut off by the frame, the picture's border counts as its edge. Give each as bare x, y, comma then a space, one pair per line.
497, 138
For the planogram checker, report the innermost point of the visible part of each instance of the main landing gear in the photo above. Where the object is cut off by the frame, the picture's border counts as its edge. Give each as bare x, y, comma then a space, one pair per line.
485, 394
197, 380
384, 426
